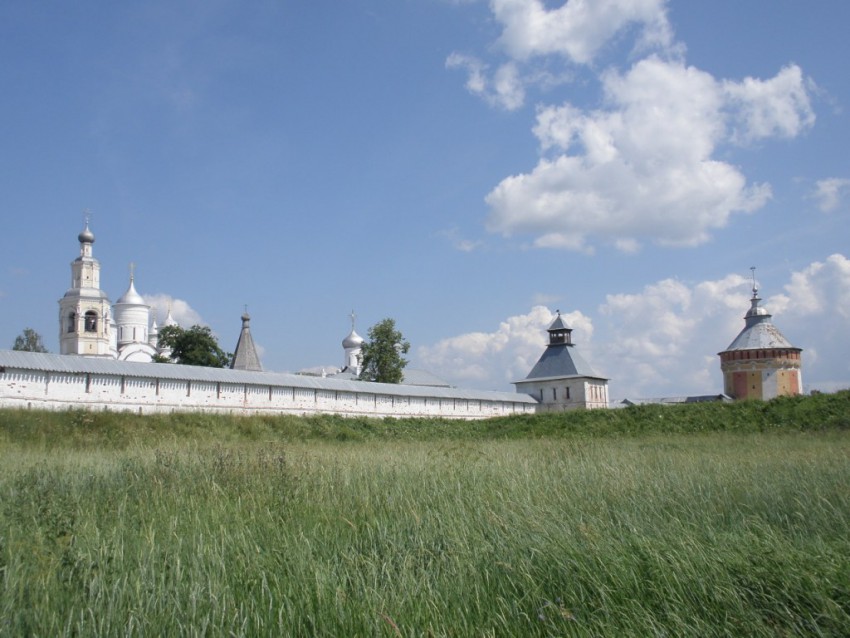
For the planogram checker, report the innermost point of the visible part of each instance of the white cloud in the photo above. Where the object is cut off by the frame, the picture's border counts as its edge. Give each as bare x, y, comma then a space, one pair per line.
831, 192
494, 359
642, 168
778, 107
644, 165
505, 89
663, 340
181, 311
578, 29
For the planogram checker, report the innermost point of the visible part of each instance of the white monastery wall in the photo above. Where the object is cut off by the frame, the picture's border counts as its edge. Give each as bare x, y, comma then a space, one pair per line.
559, 394
149, 388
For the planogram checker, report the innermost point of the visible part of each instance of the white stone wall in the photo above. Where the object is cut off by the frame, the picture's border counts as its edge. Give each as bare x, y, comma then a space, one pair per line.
57, 390
557, 395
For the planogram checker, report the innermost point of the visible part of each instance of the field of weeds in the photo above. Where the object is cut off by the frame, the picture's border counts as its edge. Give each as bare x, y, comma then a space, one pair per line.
245, 533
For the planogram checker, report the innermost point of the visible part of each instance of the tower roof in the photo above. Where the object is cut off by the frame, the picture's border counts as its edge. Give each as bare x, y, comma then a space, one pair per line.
562, 361
759, 331
561, 358
86, 236
131, 296
353, 340
245, 356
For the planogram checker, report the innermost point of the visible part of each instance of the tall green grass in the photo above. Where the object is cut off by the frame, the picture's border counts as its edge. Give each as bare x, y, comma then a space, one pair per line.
217, 528
76, 429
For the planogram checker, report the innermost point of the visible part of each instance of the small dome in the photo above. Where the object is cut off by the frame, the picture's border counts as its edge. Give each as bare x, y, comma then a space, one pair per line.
353, 340
131, 296
86, 237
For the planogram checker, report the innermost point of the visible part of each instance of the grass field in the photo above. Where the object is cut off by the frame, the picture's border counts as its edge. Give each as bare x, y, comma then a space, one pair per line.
690, 521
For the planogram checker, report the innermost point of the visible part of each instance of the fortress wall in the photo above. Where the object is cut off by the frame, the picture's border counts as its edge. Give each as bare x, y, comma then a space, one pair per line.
150, 394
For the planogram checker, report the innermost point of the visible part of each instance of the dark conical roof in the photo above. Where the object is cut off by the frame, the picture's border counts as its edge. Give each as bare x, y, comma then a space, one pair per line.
561, 361
245, 357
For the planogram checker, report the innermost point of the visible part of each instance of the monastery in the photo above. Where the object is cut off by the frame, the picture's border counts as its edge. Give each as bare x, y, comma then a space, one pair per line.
108, 352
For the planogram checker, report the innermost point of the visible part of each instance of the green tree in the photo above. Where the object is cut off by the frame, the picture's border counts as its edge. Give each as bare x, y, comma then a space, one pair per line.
29, 341
193, 347
382, 360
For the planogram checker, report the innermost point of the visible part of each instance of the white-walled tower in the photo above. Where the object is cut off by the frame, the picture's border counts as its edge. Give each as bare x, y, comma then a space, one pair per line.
132, 318
84, 321
353, 347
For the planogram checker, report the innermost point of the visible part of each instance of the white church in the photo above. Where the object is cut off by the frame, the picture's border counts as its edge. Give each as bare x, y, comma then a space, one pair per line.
90, 325
109, 352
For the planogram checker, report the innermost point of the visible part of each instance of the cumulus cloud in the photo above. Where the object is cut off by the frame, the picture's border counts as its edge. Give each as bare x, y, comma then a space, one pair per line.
664, 340
778, 107
577, 30
829, 193
181, 311
643, 167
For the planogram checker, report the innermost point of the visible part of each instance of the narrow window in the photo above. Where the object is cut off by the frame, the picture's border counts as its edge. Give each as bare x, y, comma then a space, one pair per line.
554, 394
72, 320
91, 321
567, 393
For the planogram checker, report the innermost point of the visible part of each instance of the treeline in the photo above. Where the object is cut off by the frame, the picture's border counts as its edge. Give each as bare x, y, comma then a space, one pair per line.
79, 428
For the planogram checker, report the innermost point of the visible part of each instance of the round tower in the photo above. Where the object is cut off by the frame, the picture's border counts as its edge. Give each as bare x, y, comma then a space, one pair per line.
132, 318
761, 363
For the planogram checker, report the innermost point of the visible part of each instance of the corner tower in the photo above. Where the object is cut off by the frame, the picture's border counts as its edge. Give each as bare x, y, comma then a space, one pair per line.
761, 363
561, 379
84, 310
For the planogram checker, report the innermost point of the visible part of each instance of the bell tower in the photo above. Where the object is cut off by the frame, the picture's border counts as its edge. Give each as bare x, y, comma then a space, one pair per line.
84, 310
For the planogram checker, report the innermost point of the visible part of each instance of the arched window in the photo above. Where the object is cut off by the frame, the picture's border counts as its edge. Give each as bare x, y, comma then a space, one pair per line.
91, 321
72, 321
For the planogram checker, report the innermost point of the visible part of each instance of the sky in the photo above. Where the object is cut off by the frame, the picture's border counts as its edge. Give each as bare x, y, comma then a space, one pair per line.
467, 168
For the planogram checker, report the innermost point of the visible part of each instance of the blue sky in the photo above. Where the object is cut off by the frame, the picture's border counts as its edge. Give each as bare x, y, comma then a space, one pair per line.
464, 167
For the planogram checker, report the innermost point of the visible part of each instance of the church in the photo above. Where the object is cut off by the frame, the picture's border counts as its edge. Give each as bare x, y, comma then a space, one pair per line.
90, 325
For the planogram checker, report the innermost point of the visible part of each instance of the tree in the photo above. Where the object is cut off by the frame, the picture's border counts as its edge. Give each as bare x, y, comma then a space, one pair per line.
29, 341
382, 360
193, 347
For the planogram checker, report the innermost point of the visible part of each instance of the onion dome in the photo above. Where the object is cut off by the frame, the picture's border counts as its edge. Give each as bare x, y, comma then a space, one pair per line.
131, 296
86, 236
353, 340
